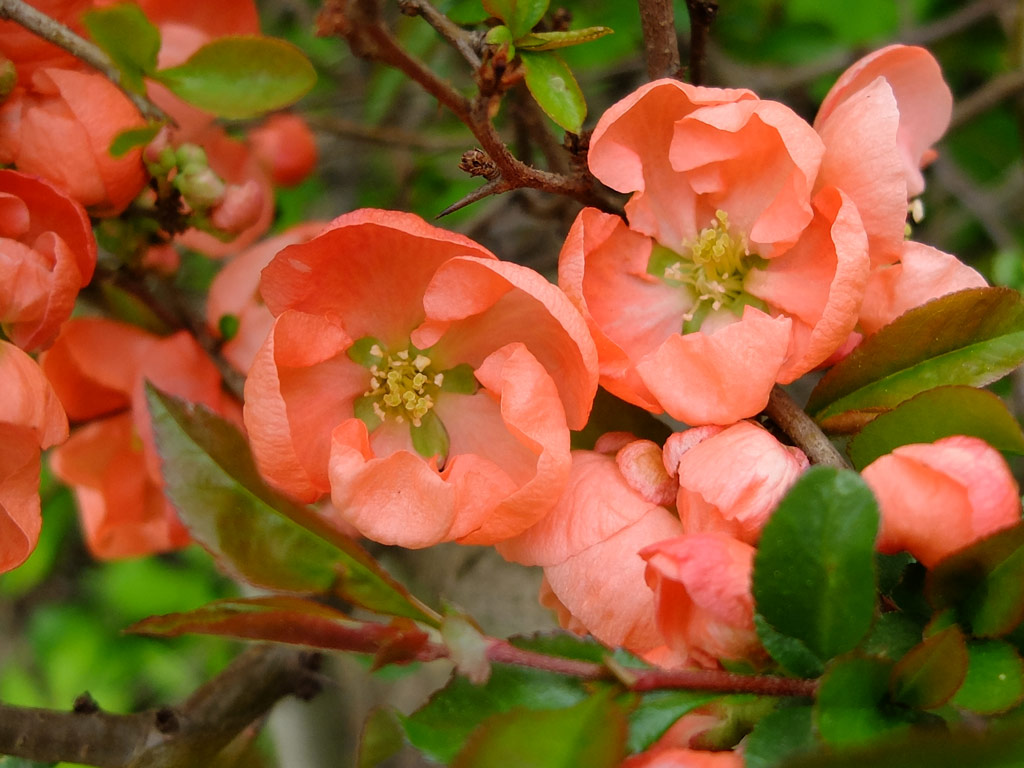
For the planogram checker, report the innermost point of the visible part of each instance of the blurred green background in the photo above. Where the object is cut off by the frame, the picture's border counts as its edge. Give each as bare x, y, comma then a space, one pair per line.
384, 143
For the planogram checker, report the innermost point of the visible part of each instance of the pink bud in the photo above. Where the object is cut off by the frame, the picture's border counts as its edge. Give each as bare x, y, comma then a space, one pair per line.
641, 465
240, 207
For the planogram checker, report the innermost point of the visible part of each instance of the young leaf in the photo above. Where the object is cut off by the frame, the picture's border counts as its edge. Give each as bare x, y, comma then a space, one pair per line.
995, 678
547, 41
935, 414
440, 728
129, 38
591, 733
814, 572
240, 77
786, 732
211, 480
984, 583
971, 337
932, 671
656, 711
519, 15
850, 708
280, 620
132, 138
555, 89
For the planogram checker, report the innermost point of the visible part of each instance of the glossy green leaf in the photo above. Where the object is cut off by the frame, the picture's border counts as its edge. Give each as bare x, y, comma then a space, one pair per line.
935, 414
656, 711
591, 733
784, 733
548, 41
241, 77
520, 16
995, 678
983, 583
814, 572
129, 38
851, 706
254, 532
133, 138
129, 308
381, 738
440, 728
555, 89
892, 636
791, 654
932, 671
971, 337
282, 620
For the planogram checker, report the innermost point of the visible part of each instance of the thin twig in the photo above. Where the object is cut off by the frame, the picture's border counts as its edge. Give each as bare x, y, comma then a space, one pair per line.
190, 734
53, 31
466, 43
989, 95
702, 14
382, 134
661, 45
801, 428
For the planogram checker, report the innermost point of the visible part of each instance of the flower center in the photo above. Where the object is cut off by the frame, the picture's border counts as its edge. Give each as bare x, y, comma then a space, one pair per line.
402, 386
712, 272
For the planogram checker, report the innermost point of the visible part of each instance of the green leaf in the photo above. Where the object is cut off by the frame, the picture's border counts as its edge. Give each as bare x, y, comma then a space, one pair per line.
932, 671
260, 536
520, 16
555, 89
241, 77
284, 620
851, 705
995, 678
938, 413
591, 733
814, 572
132, 138
971, 337
782, 734
790, 653
129, 38
656, 711
440, 728
547, 41
892, 636
983, 583
129, 308
380, 739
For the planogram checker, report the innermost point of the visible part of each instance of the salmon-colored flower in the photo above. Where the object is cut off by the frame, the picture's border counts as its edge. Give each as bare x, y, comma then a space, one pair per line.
427, 386
937, 498
731, 480
59, 125
285, 146
235, 299
47, 253
31, 419
705, 609
588, 546
98, 368
738, 268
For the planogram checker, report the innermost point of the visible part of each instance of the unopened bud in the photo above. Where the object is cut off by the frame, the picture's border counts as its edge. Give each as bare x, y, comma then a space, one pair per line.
8, 77
191, 156
240, 207
201, 188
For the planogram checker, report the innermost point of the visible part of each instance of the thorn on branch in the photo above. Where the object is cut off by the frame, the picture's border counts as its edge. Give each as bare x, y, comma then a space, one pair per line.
494, 187
85, 704
166, 720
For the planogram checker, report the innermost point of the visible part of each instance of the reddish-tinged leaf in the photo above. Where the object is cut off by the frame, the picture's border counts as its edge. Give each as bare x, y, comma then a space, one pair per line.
932, 671
935, 414
971, 337
277, 619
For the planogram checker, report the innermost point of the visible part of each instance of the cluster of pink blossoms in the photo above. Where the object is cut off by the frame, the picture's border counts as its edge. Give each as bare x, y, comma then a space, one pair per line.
58, 118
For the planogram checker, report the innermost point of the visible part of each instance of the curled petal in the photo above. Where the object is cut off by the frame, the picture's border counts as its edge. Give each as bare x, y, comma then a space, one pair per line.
641, 464
29, 399
923, 273
722, 377
924, 101
20, 520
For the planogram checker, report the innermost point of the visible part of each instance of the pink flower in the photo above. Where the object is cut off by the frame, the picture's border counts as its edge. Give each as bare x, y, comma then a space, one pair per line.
937, 498
705, 610
588, 545
235, 294
47, 253
98, 369
732, 479
31, 419
738, 268
427, 386
59, 124
285, 146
